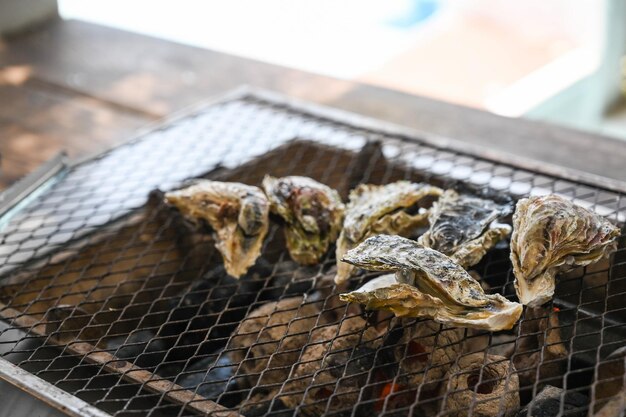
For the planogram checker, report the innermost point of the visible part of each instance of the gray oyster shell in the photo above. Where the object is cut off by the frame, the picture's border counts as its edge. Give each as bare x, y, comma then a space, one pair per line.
465, 227
426, 283
375, 209
552, 234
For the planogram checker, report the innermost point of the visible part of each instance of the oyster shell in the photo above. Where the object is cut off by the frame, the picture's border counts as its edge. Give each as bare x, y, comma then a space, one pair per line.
313, 213
375, 209
552, 234
237, 213
464, 227
426, 283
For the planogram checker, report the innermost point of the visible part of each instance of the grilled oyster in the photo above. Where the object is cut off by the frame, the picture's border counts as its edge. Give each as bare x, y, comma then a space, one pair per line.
237, 213
313, 213
464, 227
374, 209
426, 284
552, 234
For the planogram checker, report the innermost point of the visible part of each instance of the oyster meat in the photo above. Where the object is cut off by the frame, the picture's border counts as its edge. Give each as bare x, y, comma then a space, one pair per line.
428, 284
550, 235
374, 209
313, 213
465, 227
237, 213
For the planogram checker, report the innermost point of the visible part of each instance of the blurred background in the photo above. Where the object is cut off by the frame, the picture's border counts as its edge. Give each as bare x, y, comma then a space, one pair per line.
557, 60
84, 75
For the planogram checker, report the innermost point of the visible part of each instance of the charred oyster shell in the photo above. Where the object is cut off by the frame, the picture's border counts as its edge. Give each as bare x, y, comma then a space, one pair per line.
237, 213
550, 235
312, 211
374, 209
464, 227
426, 283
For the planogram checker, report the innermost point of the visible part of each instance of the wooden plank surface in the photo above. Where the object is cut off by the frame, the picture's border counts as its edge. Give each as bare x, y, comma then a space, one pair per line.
37, 123
89, 86
22, 151
147, 74
79, 122
597, 154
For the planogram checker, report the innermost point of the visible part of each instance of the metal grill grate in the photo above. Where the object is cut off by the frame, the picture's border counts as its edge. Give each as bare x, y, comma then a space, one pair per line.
110, 296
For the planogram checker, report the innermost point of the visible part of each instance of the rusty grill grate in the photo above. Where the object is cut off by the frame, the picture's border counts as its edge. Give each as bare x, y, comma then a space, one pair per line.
107, 293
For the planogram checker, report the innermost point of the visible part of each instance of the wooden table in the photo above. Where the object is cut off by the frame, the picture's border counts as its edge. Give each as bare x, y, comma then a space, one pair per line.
83, 88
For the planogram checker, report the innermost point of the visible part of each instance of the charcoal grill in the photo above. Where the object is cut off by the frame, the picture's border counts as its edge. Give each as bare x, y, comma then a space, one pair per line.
107, 297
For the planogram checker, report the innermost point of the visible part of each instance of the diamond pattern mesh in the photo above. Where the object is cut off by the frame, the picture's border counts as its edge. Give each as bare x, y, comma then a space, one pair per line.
108, 294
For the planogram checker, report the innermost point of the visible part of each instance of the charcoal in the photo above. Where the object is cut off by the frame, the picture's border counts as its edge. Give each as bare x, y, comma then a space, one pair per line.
486, 384
548, 404
610, 377
268, 340
540, 327
141, 347
337, 360
288, 278
352, 363
223, 290
208, 377
70, 322
201, 306
425, 352
266, 405
370, 157
616, 407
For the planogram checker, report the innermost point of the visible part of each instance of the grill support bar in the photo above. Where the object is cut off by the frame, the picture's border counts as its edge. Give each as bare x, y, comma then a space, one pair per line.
110, 363
190, 400
20, 193
46, 392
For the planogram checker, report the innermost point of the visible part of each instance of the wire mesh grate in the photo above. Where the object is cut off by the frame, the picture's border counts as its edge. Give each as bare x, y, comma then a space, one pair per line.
109, 294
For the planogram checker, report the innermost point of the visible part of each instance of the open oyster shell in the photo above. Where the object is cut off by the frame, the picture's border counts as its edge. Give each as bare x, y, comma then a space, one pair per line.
465, 227
392, 209
313, 213
426, 283
237, 213
552, 234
